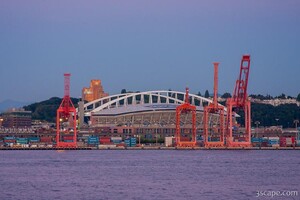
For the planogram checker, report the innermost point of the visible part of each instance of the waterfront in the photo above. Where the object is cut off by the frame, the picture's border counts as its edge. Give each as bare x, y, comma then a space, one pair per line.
219, 174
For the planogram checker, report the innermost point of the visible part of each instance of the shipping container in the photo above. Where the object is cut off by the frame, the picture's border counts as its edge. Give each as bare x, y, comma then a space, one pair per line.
169, 141
9, 138
93, 140
273, 141
22, 141
130, 142
127, 142
273, 138
47, 139
105, 140
116, 140
10, 141
282, 141
256, 140
68, 141
34, 139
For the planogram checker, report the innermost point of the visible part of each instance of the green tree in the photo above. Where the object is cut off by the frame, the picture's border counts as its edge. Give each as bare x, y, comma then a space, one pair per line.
199, 94
123, 91
298, 97
226, 95
282, 96
206, 95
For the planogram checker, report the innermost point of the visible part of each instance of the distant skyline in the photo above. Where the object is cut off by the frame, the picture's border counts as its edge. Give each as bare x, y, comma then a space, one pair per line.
142, 45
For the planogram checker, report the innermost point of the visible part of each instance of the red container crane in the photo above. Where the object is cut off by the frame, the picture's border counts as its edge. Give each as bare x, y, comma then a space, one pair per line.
215, 129
239, 101
66, 119
185, 108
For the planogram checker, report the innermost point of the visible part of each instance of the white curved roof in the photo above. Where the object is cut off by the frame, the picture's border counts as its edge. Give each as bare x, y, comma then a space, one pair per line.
141, 102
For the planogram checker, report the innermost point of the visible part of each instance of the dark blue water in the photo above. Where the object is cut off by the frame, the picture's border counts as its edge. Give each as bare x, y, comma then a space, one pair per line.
147, 174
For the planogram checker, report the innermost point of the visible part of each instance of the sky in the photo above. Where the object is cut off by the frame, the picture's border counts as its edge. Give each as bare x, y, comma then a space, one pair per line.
143, 45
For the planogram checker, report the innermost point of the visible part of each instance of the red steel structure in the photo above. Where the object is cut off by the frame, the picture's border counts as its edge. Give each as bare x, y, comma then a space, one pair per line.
214, 129
239, 100
185, 108
66, 134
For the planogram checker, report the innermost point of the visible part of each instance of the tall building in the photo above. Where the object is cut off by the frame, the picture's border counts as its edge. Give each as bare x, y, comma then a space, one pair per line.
95, 91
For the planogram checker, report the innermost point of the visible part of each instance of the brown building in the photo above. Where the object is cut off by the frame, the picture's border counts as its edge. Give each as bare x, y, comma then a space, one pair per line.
95, 91
16, 118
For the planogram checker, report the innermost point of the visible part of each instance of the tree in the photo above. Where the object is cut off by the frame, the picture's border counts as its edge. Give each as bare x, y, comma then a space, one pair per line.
268, 97
199, 94
298, 97
282, 96
226, 95
206, 95
123, 91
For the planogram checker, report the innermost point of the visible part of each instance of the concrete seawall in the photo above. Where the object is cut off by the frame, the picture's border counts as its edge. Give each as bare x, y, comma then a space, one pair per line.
152, 148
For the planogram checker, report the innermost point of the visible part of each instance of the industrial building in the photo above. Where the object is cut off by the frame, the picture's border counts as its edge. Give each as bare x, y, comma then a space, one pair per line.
16, 118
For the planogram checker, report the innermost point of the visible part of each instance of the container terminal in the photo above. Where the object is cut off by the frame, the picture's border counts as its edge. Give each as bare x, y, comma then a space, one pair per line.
161, 119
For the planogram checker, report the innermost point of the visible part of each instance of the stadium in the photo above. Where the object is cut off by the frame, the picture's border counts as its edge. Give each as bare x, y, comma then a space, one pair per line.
145, 113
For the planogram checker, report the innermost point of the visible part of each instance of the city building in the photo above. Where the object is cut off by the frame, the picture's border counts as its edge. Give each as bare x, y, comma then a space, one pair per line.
16, 118
95, 91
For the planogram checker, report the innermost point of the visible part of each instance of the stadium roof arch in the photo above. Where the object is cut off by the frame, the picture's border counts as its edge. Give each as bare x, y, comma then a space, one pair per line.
142, 101
142, 109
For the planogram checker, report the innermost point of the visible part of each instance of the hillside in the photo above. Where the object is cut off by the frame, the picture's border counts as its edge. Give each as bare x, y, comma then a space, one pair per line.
46, 110
269, 115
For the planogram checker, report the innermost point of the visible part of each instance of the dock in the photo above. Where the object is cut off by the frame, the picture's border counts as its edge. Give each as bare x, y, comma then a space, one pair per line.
148, 148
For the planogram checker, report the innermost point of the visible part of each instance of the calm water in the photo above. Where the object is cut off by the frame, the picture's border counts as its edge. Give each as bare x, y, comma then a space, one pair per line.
147, 174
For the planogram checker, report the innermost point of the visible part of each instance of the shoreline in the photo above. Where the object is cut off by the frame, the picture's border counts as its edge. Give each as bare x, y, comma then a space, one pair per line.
148, 148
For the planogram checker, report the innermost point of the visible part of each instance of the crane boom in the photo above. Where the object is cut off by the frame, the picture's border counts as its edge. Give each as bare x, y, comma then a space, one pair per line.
240, 91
